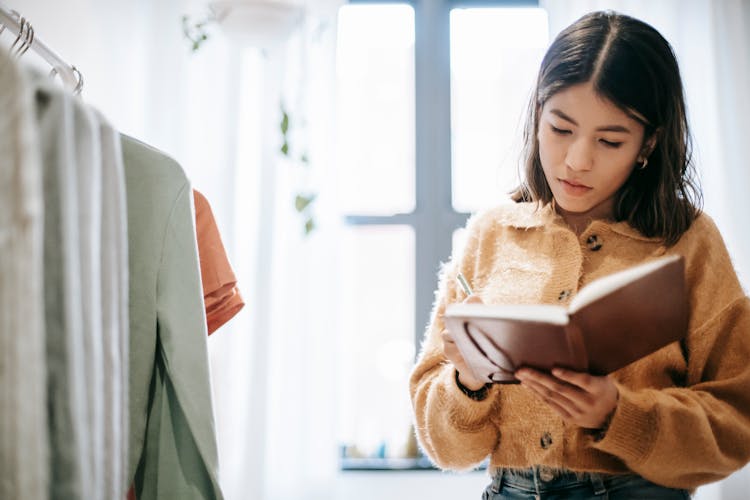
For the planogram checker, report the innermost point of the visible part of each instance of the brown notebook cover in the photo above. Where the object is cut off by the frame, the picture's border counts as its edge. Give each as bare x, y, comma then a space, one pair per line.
612, 322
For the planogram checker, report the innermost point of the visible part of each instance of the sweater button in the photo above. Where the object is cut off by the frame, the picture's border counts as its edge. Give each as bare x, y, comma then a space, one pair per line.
563, 295
546, 474
546, 440
593, 243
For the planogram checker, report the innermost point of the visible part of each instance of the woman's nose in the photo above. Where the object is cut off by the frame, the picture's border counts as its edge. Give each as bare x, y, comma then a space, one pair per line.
580, 155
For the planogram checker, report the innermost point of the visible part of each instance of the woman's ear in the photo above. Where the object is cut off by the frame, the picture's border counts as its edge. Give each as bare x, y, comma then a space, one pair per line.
649, 145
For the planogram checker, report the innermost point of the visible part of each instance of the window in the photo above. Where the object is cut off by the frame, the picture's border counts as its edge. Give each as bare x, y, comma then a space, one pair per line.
375, 102
495, 54
375, 99
430, 99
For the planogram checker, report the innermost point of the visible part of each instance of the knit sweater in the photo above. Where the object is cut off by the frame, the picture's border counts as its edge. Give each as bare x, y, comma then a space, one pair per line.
683, 414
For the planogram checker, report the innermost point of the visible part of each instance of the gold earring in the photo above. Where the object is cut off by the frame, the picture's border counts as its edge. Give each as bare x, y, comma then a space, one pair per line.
643, 165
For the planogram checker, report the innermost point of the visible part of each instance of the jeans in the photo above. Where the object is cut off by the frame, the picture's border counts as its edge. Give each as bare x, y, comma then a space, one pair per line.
540, 483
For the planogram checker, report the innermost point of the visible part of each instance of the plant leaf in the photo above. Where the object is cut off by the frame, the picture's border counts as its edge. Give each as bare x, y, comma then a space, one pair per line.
285, 149
196, 32
284, 122
301, 202
309, 226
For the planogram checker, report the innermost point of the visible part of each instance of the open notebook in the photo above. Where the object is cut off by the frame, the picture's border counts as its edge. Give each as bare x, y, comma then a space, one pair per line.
610, 323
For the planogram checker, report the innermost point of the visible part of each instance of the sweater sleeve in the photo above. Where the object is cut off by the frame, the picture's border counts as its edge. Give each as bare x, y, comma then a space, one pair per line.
692, 435
455, 431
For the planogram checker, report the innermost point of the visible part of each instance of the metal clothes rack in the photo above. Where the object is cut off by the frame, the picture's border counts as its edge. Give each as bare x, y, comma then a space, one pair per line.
22, 29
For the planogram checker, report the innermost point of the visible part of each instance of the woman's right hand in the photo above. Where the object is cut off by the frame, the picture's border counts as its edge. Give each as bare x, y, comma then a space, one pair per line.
454, 355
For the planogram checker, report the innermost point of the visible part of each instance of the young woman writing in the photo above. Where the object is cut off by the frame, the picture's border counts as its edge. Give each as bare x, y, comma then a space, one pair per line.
608, 184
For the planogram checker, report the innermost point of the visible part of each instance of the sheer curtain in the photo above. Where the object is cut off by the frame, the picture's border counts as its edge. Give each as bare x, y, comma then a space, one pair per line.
712, 43
217, 111
273, 367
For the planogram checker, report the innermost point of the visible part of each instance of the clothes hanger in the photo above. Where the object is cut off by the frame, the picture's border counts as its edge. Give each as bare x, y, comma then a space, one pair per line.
25, 39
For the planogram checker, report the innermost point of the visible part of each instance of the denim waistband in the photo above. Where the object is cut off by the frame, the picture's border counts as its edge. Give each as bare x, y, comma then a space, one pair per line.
545, 482
541, 478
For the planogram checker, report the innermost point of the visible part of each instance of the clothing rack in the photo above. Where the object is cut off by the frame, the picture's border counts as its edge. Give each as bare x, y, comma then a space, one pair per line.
21, 28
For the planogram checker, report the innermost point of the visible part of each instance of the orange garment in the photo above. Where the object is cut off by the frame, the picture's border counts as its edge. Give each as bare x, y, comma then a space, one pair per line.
220, 293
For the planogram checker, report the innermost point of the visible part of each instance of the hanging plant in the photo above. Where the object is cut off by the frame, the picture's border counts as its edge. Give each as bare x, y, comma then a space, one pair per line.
196, 32
303, 201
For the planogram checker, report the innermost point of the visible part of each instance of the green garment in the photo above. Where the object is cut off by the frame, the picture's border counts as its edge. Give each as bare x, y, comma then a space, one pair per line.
172, 435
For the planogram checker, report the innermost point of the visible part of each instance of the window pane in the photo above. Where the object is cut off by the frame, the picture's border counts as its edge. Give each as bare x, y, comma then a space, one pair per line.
495, 55
375, 102
377, 344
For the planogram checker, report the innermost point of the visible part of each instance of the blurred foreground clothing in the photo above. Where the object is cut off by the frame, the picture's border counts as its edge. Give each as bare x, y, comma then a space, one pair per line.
173, 440
63, 294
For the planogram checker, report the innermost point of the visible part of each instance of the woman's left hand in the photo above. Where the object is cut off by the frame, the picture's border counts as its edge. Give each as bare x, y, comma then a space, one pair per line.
579, 398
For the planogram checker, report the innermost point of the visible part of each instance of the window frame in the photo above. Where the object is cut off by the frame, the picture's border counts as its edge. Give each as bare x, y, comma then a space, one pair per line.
433, 219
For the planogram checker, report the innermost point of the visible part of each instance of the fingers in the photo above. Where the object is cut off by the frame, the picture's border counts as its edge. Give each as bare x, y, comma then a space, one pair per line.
561, 398
449, 344
579, 379
557, 407
582, 399
447, 336
554, 384
452, 353
450, 349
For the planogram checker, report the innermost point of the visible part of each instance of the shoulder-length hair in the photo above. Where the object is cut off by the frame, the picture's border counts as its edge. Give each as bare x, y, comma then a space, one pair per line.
629, 63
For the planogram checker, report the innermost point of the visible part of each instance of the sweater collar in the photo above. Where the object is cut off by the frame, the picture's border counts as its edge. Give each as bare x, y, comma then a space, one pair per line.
528, 215
625, 229
535, 215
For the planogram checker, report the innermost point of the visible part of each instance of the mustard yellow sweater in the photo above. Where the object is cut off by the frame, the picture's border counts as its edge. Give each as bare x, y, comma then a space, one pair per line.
683, 416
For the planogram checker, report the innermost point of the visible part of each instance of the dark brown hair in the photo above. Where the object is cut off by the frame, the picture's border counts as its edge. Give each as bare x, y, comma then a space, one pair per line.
629, 63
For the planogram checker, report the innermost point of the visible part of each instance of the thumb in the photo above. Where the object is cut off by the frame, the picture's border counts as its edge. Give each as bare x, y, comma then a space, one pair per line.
473, 299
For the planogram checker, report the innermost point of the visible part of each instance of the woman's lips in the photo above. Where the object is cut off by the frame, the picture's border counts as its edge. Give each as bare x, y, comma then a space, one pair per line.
574, 188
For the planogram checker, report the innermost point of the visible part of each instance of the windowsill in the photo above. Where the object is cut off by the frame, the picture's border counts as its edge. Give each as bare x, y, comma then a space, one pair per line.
391, 464
386, 464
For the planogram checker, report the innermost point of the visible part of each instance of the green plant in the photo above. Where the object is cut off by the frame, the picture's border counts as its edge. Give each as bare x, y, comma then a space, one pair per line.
303, 201
196, 33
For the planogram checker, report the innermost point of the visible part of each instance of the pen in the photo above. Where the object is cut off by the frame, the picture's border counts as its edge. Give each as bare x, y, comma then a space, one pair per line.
464, 284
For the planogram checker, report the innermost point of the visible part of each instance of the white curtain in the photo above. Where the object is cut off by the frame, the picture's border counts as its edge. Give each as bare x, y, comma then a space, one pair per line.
274, 365
217, 111
712, 43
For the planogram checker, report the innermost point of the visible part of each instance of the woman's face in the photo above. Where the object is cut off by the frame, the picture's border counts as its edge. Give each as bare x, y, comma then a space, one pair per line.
588, 148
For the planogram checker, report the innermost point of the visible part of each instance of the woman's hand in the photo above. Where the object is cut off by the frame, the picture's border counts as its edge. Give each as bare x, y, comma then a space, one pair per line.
579, 398
454, 355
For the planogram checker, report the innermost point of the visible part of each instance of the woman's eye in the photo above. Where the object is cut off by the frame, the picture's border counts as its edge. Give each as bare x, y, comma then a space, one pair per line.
611, 144
560, 131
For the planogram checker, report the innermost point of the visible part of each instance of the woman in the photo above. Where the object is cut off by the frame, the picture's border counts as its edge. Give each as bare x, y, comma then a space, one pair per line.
609, 184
